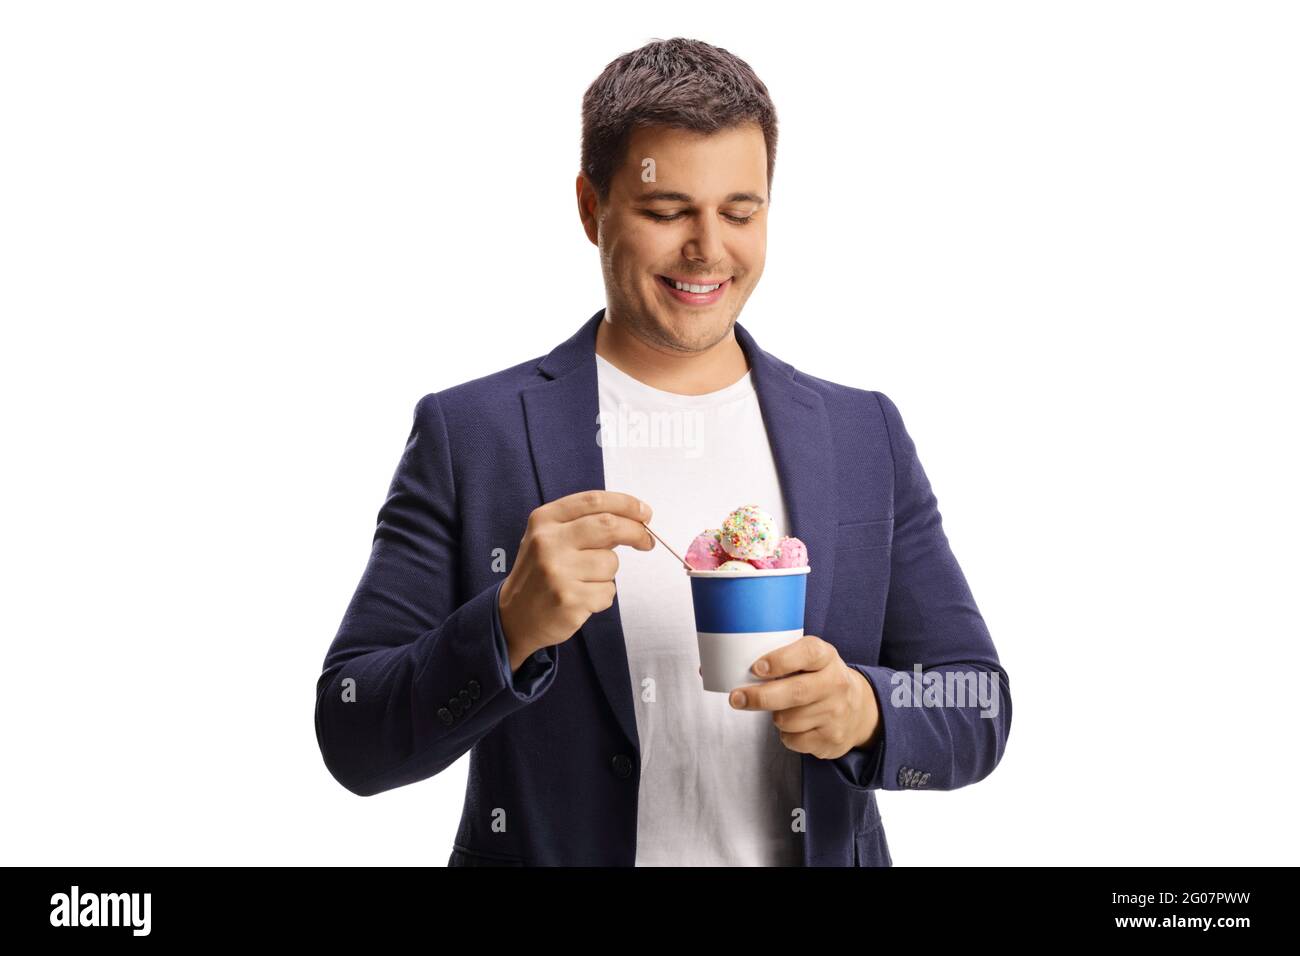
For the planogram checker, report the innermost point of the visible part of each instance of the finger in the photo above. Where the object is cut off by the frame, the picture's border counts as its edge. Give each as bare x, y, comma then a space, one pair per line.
597, 595
798, 720
782, 693
607, 530
809, 742
807, 653
595, 564
595, 501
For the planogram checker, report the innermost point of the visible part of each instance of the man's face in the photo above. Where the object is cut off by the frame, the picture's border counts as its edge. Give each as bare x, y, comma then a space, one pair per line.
701, 221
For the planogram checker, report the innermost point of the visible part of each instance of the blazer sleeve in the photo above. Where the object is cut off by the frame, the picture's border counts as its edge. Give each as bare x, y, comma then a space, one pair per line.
931, 619
412, 681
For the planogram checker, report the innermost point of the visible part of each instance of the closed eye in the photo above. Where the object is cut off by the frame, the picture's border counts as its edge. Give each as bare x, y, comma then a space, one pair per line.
739, 220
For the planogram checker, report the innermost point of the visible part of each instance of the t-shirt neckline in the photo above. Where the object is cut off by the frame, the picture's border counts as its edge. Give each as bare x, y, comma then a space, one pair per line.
737, 389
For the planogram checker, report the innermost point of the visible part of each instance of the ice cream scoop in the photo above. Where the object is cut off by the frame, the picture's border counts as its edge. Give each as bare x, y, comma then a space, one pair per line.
789, 553
734, 565
705, 552
749, 532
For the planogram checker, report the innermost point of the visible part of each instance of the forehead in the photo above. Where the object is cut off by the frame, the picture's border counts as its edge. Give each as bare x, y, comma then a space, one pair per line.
727, 161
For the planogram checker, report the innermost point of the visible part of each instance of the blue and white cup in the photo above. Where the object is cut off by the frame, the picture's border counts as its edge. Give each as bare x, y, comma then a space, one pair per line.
740, 616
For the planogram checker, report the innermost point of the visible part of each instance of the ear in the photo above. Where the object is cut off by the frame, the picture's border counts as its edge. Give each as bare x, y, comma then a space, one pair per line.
588, 208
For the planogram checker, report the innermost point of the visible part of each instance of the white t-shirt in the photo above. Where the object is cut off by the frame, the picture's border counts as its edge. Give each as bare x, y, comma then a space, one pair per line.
718, 788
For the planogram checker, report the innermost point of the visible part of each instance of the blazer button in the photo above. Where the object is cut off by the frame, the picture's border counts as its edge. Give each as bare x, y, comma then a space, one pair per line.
911, 777
622, 765
445, 715
473, 689
455, 706
463, 697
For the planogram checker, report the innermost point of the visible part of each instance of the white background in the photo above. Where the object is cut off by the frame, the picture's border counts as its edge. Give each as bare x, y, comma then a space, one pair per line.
239, 241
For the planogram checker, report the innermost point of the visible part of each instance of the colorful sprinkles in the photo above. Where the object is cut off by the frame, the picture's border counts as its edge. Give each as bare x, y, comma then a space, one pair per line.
749, 532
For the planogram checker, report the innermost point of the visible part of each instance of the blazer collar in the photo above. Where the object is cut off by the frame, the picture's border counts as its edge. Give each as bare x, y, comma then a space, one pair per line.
561, 417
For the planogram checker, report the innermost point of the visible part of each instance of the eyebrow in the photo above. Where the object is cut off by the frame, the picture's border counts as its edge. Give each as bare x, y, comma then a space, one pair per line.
665, 195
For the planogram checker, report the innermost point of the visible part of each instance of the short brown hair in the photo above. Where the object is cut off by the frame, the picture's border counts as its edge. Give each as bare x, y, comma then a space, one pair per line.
685, 84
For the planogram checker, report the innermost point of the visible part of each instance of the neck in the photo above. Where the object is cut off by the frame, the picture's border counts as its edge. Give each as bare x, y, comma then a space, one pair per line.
683, 373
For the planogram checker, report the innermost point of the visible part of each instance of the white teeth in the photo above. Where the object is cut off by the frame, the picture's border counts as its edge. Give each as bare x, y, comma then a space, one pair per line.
687, 287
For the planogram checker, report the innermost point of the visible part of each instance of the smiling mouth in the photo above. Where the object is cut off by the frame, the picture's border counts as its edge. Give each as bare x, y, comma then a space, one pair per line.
693, 288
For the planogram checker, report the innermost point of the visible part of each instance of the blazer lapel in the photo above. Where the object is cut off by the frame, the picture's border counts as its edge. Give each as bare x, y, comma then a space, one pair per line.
561, 417
799, 432
560, 414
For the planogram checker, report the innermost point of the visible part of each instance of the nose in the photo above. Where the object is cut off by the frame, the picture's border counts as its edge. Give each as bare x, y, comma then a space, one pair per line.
705, 243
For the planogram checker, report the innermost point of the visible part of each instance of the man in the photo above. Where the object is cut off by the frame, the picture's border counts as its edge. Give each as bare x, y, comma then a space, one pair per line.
488, 620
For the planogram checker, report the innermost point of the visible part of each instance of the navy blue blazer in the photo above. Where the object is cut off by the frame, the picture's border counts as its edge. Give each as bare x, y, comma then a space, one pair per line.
418, 673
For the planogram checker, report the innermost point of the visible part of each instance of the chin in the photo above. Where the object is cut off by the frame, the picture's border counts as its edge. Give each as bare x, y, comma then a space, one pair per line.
696, 331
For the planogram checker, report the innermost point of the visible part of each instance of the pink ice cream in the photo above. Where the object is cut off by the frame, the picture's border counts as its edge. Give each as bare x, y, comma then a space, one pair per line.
706, 551
790, 553
747, 539
793, 553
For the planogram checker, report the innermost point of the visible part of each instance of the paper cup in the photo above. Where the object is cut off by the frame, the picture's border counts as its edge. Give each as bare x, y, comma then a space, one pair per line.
740, 616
